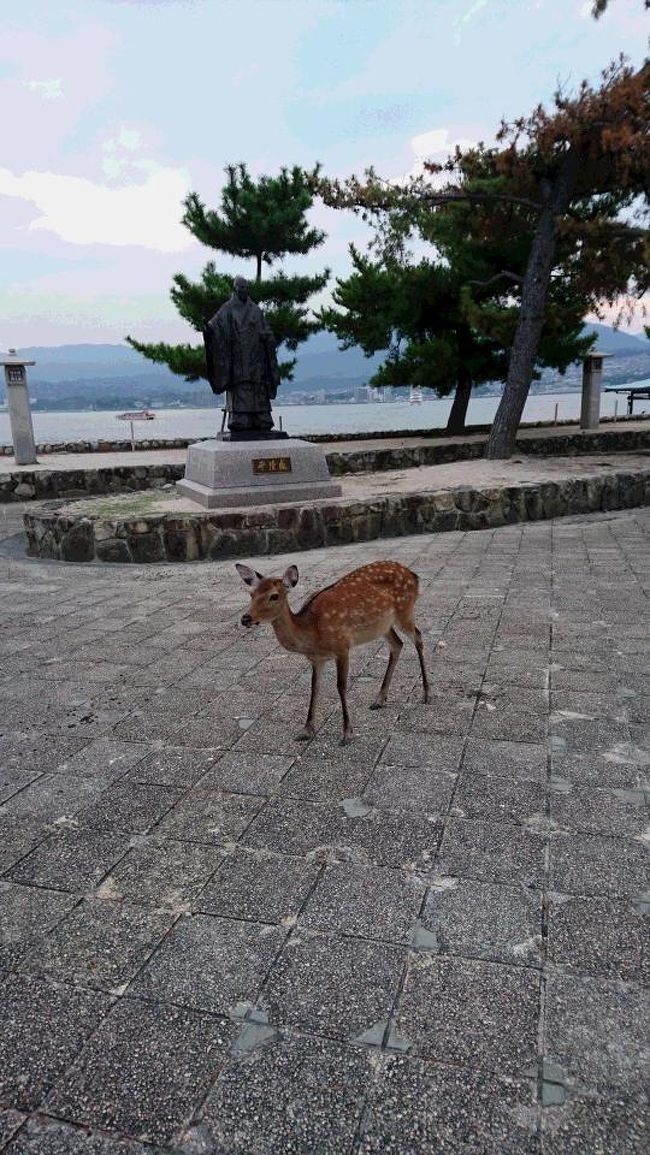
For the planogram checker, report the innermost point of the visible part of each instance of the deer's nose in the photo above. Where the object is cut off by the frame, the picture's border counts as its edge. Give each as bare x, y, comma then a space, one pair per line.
247, 620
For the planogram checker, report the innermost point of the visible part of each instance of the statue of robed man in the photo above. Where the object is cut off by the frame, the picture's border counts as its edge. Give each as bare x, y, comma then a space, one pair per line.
241, 362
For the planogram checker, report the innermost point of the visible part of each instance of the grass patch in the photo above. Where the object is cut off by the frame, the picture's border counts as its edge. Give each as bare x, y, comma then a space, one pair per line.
124, 505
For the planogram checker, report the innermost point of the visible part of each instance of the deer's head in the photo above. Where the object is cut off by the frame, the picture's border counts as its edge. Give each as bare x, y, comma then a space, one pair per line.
268, 595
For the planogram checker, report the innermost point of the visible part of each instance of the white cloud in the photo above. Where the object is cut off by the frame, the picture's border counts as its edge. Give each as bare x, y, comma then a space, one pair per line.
49, 89
145, 213
437, 145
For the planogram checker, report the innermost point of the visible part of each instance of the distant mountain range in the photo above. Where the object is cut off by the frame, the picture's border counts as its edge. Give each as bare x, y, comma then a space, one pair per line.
112, 376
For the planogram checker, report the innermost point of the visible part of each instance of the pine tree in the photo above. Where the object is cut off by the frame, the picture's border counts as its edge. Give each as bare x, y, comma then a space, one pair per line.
578, 175
261, 220
447, 323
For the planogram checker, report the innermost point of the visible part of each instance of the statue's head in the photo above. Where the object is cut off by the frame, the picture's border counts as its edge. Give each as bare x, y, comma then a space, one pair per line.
240, 285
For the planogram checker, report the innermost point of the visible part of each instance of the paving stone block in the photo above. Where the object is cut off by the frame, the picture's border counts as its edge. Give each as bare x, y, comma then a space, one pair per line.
447, 712
623, 768
71, 860
423, 1107
297, 1095
366, 901
512, 760
587, 736
12, 780
593, 705
210, 816
99, 944
442, 752
498, 799
127, 1077
211, 963
470, 1013
263, 887
598, 936
325, 781
596, 1032
43, 1136
104, 760
328, 834
43, 1028
10, 1121
129, 807
581, 809
160, 872
597, 1124
53, 797
173, 765
593, 865
508, 723
17, 837
493, 852
416, 789
485, 920
259, 774
28, 751
25, 913
332, 986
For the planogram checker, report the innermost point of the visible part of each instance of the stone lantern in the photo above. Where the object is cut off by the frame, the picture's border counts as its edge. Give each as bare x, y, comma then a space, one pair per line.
592, 377
20, 414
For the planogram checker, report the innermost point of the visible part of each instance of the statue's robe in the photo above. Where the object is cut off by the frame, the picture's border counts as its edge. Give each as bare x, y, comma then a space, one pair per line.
241, 361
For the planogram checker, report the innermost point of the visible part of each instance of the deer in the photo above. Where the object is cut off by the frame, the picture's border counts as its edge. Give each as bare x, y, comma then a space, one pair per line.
366, 604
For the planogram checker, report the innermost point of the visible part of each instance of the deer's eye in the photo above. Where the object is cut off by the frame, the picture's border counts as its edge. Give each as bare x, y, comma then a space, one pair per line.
274, 597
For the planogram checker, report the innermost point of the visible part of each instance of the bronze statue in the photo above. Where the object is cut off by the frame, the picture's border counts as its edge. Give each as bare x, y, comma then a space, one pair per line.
241, 362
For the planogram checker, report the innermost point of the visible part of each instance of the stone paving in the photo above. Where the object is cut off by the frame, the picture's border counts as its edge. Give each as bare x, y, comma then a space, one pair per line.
433, 940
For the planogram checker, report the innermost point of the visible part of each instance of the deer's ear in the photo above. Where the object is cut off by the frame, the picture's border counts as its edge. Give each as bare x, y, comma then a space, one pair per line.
290, 577
249, 576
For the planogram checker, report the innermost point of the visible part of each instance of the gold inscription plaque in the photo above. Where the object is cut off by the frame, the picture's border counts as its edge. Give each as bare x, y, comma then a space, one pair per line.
271, 465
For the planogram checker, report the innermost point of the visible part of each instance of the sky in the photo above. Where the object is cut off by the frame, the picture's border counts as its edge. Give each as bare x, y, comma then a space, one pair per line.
113, 110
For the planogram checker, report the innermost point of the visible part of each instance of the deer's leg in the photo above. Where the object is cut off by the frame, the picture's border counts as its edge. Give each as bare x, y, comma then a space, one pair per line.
309, 729
419, 645
342, 666
408, 625
395, 643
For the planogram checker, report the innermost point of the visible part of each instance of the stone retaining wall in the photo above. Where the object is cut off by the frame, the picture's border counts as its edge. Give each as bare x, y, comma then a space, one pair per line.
50, 447
283, 529
41, 484
29, 485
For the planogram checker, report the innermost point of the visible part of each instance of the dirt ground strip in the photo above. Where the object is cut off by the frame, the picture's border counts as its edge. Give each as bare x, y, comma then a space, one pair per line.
215, 941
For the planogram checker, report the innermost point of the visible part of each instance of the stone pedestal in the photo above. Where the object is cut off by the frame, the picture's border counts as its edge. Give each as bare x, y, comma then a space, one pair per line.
222, 474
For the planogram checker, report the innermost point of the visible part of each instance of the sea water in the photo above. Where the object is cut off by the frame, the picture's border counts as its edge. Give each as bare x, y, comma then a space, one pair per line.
339, 419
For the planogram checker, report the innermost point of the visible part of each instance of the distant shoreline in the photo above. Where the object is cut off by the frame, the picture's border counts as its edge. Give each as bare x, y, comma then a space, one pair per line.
217, 403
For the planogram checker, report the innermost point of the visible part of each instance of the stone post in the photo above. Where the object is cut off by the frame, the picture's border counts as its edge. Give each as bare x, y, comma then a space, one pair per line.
20, 414
592, 376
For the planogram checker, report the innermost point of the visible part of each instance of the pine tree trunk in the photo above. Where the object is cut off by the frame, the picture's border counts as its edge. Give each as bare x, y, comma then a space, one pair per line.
530, 323
458, 413
258, 276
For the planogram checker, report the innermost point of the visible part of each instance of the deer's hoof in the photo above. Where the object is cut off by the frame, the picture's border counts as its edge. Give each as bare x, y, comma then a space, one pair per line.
346, 739
305, 735
426, 698
378, 705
